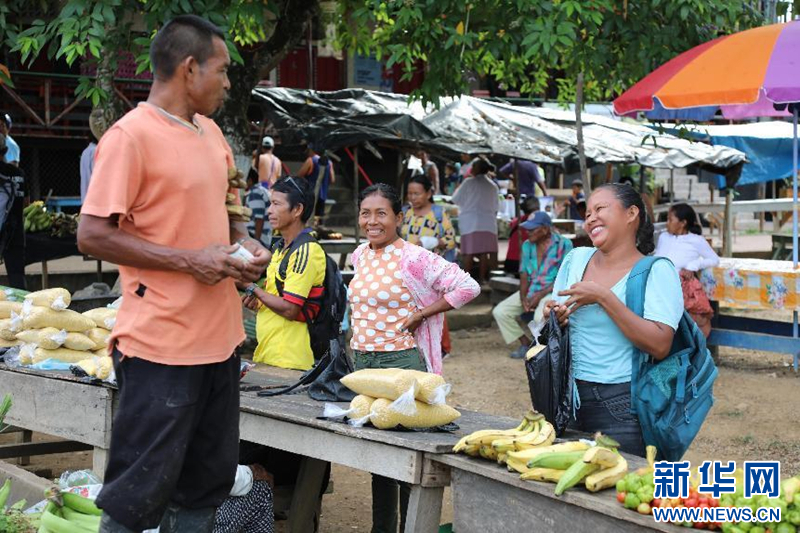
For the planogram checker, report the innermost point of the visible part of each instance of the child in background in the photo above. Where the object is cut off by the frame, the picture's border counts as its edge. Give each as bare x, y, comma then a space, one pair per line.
528, 207
452, 177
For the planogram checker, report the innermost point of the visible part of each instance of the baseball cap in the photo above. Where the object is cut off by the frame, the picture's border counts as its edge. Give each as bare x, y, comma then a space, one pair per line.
577, 182
267, 141
539, 218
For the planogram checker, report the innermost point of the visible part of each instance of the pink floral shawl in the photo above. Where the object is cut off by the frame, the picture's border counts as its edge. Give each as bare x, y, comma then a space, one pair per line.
429, 277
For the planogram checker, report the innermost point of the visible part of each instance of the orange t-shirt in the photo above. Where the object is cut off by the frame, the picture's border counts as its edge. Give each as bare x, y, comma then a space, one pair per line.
167, 181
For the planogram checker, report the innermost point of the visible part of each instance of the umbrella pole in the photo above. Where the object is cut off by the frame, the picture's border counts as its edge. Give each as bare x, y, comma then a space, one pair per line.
794, 218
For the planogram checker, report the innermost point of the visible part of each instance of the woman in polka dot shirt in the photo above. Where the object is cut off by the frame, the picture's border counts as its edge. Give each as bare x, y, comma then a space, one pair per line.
397, 298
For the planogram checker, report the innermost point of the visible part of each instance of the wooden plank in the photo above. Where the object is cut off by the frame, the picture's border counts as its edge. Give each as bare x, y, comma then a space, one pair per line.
390, 461
302, 410
425, 510
305, 508
66, 409
41, 448
604, 501
484, 504
754, 341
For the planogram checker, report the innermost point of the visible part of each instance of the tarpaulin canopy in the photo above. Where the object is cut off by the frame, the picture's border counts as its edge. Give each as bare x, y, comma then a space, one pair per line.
333, 120
768, 146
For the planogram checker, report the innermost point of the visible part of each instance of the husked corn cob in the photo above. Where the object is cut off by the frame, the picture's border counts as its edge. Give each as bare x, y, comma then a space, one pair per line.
8, 344
383, 416
239, 210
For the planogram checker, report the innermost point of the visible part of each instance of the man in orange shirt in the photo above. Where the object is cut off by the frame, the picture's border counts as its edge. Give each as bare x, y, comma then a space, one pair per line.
156, 207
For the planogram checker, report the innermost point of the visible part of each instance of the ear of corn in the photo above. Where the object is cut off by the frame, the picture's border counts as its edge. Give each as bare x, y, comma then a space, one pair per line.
388, 383
103, 317
383, 416
64, 355
43, 317
58, 299
7, 307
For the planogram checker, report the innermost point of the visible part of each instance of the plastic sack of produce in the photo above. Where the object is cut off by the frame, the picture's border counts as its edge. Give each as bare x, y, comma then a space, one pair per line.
6, 331
103, 317
385, 414
43, 317
56, 299
549, 369
95, 367
6, 308
47, 338
431, 388
389, 383
64, 355
357, 413
99, 337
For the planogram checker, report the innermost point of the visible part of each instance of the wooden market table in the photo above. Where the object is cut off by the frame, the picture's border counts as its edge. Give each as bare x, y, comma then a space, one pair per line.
487, 497
344, 247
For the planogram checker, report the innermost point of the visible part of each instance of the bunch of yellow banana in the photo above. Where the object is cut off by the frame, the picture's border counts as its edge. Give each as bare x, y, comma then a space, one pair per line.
519, 460
480, 442
599, 466
542, 434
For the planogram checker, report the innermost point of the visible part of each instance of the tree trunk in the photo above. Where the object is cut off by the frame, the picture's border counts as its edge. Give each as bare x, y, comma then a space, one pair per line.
587, 182
259, 60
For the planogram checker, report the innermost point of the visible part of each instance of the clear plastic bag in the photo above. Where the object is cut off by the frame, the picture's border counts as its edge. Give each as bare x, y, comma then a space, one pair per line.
75, 478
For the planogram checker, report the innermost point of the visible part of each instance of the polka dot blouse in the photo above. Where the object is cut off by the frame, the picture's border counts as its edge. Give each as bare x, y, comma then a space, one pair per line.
380, 303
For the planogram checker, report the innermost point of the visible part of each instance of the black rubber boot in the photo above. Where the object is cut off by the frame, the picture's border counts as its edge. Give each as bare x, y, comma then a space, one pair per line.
181, 520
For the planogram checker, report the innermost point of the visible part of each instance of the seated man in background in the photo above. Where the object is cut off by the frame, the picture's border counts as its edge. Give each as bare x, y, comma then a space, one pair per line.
517, 235
542, 255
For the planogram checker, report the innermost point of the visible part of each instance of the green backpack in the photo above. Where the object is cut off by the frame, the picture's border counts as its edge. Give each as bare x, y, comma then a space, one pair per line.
671, 397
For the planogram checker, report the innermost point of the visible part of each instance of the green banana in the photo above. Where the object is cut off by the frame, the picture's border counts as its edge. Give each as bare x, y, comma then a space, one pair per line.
556, 460
574, 475
80, 504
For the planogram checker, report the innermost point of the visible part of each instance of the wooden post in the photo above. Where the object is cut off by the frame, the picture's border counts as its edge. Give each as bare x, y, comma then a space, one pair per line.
355, 195
727, 224
609, 173
762, 194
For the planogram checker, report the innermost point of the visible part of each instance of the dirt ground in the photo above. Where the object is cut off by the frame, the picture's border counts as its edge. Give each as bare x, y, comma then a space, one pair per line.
756, 416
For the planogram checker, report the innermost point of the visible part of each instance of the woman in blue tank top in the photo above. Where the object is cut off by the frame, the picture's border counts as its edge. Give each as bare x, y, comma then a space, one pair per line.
605, 334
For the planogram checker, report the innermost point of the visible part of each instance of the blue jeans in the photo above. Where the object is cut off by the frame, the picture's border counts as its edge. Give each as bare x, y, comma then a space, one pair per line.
607, 409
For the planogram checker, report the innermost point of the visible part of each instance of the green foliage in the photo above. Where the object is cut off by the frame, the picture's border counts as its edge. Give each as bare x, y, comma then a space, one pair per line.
534, 44
100, 29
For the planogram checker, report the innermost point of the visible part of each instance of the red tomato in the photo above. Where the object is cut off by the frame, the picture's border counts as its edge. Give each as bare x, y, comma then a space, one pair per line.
713, 502
656, 502
690, 502
621, 497
700, 525
703, 504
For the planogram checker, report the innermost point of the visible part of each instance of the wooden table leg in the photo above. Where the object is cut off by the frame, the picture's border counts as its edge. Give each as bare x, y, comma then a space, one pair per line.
45, 276
424, 509
99, 461
304, 510
23, 437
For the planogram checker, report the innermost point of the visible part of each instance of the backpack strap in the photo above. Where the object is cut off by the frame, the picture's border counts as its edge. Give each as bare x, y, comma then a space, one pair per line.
438, 212
304, 237
635, 290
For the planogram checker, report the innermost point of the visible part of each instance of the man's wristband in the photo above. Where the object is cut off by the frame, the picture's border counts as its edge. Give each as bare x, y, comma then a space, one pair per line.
250, 289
